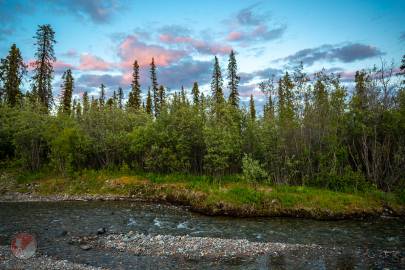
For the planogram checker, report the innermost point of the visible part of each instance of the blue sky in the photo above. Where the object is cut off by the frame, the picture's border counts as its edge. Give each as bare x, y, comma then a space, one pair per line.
100, 39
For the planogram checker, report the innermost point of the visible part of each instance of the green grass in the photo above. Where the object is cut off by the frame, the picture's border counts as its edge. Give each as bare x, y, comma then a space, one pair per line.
213, 195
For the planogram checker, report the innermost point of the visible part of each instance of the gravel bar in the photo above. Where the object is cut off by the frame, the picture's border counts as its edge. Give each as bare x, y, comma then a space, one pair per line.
188, 246
9, 261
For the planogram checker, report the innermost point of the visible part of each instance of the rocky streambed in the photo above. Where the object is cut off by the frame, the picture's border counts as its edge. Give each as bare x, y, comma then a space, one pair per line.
137, 235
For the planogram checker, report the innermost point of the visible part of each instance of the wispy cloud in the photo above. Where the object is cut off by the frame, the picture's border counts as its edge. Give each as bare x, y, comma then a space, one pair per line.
200, 46
92, 62
346, 53
250, 25
97, 11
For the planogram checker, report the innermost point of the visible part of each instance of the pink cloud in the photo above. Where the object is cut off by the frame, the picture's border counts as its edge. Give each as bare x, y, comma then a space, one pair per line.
91, 62
199, 45
131, 48
60, 65
234, 36
127, 78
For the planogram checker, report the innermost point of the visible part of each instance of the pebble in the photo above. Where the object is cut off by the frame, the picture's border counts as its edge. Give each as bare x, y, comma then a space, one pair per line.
85, 247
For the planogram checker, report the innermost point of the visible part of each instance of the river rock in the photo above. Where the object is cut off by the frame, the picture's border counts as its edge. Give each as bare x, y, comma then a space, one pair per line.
85, 247
63, 233
101, 231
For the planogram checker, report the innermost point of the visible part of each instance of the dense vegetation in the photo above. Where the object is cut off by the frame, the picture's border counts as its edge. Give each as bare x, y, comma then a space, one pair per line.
314, 130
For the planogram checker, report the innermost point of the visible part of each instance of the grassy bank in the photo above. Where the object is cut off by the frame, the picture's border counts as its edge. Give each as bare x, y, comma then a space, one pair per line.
225, 196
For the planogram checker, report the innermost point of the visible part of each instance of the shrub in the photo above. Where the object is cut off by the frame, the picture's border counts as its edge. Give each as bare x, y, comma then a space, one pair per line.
253, 171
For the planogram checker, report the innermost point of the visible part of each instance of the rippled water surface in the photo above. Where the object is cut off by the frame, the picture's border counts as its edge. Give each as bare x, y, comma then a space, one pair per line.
376, 244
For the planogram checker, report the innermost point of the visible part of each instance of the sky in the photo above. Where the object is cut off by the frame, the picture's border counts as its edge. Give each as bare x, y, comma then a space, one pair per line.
100, 39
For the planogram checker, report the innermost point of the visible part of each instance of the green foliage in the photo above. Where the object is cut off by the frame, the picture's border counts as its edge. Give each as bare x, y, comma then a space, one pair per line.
310, 132
253, 171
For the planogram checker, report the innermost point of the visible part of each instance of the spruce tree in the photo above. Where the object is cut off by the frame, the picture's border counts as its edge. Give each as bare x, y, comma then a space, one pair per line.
148, 107
86, 102
120, 97
102, 96
13, 70
78, 109
67, 91
43, 65
94, 104
162, 97
155, 86
74, 105
196, 94
233, 80
183, 94
217, 85
134, 100
252, 109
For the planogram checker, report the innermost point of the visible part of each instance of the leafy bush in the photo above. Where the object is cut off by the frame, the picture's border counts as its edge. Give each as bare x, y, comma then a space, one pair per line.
349, 181
252, 170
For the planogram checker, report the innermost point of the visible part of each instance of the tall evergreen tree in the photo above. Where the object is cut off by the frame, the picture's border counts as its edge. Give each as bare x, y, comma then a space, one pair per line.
120, 97
86, 102
162, 97
13, 70
252, 109
196, 94
134, 100
94, 104
286, 100
73, 110
43, 65
183, 95
78, 112
148, 107
67, 91
155, 86
102, 96
217, 84
233, 80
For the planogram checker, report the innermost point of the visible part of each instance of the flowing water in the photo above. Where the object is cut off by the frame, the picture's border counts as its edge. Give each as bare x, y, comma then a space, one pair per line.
348, 244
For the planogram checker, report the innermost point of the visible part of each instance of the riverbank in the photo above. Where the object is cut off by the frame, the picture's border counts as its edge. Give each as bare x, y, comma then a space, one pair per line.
200, 194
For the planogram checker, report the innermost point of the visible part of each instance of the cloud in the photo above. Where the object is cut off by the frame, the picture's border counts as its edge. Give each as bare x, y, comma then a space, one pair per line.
98, 11
346, 53
72, 53
185, 73
198, 45
174, 29
250, 26
259, 33
131, 48
91, 62
247, 16
91, 83
10, 14
262, 74
60, 66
